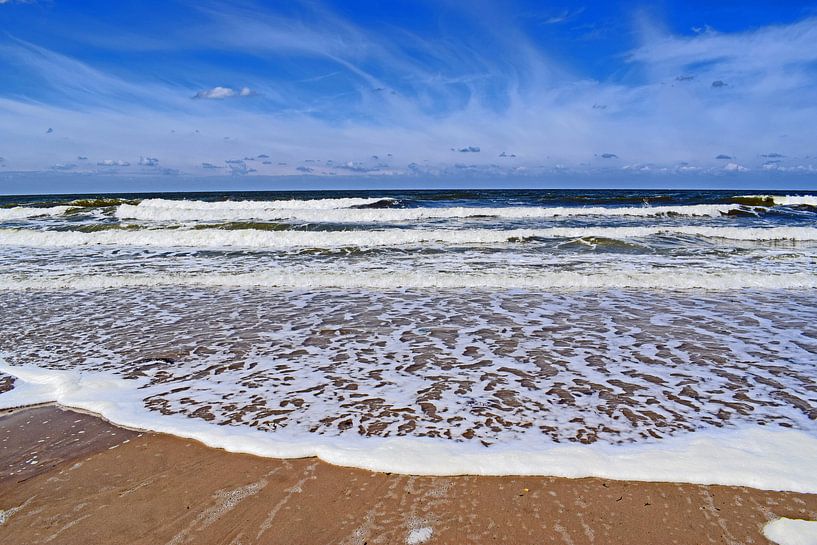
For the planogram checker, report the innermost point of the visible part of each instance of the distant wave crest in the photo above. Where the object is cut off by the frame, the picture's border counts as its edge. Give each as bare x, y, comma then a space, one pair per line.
166, 211
777, 200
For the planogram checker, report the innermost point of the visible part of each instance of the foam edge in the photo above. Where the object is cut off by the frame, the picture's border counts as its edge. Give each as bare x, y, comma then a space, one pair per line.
752, 456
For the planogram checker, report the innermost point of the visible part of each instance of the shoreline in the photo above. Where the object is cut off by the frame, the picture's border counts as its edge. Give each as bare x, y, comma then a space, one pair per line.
98, 483
760, 457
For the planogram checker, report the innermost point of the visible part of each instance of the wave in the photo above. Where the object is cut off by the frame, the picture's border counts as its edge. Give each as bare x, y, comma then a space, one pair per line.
664, 279
753, 456
24, 212
777, 200
99, 202
148, 212
254, 206
272, 239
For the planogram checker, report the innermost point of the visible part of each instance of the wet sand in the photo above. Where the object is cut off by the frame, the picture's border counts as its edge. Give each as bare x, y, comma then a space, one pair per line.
67, 477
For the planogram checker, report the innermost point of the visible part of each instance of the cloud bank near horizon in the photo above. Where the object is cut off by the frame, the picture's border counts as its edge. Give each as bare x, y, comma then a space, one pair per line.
438, 91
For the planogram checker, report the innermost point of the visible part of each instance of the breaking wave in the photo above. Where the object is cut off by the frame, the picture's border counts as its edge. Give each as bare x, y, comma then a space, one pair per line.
777, 200
273, 239
291, 204
178, 211
24, 212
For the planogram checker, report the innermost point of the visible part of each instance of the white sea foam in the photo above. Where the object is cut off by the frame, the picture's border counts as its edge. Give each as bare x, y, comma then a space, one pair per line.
253, 238
754, 456
460, 365
785, 531
672, 279
292, 204
419, 535
523, 373
787, 200
23, 212
146, 211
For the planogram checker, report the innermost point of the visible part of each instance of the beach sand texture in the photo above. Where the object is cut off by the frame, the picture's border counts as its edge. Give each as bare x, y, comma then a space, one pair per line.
96, 483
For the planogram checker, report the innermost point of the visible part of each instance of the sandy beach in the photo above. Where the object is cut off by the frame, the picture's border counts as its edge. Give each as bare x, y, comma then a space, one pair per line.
69, 477
411, 273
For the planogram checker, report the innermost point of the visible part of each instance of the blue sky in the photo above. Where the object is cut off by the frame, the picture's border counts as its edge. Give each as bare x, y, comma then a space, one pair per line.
204, 95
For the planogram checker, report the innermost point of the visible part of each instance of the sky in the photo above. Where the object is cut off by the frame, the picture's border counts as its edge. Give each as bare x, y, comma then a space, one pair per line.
177, 95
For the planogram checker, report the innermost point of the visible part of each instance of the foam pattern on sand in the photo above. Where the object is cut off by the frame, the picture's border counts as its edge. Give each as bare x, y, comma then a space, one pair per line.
617, 384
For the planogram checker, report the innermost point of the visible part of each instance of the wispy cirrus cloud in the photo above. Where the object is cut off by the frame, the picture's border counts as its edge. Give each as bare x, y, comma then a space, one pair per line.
561, 16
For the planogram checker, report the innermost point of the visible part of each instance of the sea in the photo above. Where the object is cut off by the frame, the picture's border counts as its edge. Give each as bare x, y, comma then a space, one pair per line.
627, 334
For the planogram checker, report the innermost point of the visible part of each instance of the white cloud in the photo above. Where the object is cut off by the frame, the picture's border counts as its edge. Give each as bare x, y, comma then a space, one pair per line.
113, 163
148, 161
766, 47
215, 93
219, 93
735, 167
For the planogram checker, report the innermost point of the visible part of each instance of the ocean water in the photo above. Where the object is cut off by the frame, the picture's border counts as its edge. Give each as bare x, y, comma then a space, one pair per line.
654, 335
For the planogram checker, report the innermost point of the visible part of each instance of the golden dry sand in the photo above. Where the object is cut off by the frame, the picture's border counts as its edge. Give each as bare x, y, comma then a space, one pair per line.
94, 483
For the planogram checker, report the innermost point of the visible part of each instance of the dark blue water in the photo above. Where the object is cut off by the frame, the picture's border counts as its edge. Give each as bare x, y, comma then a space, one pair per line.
421, 198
